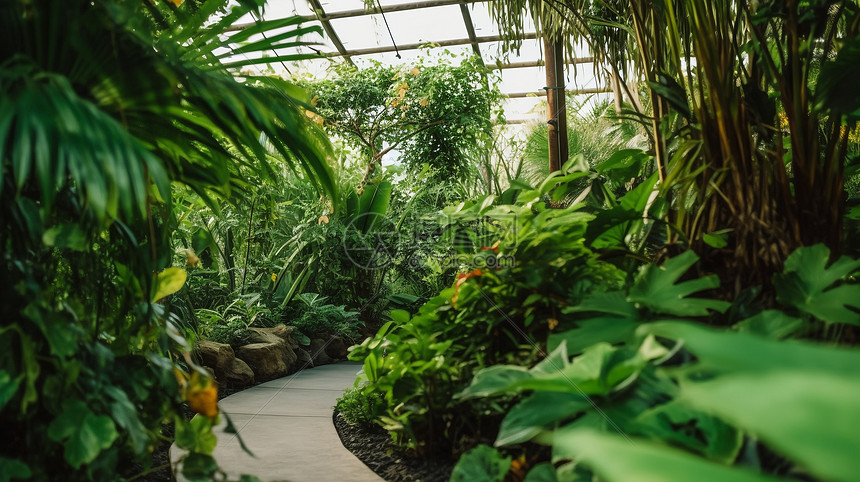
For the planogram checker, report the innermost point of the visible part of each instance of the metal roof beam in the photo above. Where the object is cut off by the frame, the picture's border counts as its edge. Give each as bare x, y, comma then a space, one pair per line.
400, 8
361, 12
536, 63
470, 28
542, 93
416, 46
332, 34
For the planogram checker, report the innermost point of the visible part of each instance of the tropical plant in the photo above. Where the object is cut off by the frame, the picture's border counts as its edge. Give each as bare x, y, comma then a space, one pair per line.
689, 387
748, 126
436, 114
102, 106
592, 132
358, 407
501, 308
314, 317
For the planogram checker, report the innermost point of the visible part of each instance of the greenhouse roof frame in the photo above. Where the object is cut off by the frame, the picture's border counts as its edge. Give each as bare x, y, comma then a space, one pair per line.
325, 15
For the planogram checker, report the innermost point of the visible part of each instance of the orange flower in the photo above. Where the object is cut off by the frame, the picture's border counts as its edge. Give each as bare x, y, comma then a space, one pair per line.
494, 248
461, 278
202, 395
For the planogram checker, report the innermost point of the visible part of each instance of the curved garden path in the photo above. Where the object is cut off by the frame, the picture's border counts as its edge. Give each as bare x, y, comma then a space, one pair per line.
287, 424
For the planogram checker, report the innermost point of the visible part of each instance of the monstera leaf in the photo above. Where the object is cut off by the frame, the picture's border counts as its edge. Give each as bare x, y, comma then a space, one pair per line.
807, 283
658, 289
799, 398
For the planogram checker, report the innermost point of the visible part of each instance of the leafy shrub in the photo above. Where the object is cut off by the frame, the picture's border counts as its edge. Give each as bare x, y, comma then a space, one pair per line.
499, 312
230, 324
359, 407
311, 315
90, 354
696, 390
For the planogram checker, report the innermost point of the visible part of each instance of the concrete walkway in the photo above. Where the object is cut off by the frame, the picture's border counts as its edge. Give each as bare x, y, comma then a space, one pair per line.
287, 424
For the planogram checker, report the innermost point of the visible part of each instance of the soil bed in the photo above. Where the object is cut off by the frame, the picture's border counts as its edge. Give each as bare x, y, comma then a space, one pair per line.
373, 447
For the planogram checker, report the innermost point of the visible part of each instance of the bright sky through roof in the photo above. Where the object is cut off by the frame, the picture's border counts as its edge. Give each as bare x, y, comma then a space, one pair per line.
431, 24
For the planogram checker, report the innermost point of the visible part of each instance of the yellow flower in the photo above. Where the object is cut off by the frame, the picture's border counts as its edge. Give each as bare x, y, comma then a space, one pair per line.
176, 2
274, 277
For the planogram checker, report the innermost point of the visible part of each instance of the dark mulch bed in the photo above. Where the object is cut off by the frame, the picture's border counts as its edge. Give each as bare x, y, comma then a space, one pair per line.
373, 447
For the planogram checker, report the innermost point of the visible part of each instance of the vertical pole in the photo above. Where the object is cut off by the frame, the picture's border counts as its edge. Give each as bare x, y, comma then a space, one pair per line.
551, 104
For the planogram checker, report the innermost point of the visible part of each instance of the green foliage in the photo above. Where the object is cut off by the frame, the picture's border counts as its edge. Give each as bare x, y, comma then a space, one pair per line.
616, 459
314, 317
707, 392
483, 464
83, 433
502, 307
807, 284
592, 133
104, 107
359, 407
435, 114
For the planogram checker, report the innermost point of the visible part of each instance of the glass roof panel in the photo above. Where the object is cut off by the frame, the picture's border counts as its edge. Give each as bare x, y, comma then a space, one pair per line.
407, 27
431, 25
331, 6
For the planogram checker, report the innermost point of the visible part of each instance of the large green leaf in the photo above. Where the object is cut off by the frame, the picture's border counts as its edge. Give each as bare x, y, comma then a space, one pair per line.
589, 332
481, 464
658, 289
770, 323
536, 413
197, 467
196, 435
543, 472
11, 469
745, 353
8, 387
676, 423
807, 284
836, 85
800, 398
168, 282
126, 416
596, 372
372, 206
83, 433
55, 135
810, 417
615, 459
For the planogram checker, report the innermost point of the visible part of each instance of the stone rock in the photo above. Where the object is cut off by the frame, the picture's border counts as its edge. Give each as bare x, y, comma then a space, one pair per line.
318, 354
217, 356
336, 348
303, 360
282, 331
239, 374
264, 335
289, 335
268, 360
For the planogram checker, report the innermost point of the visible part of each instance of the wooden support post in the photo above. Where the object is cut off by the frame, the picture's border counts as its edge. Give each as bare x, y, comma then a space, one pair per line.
556, 112
561, 104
